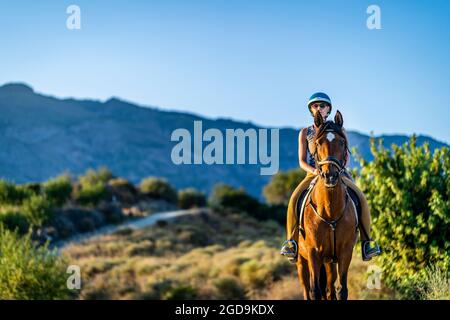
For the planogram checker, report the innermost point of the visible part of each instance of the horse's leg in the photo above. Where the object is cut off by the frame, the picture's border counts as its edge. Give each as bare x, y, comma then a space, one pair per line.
314, 265
330, 268
343, 265
303, 275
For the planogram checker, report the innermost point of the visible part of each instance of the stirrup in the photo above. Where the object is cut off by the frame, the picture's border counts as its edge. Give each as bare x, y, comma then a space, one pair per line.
368, 252
289, 249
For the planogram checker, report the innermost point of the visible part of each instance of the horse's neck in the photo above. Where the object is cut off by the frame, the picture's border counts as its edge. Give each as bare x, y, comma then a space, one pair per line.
329, 201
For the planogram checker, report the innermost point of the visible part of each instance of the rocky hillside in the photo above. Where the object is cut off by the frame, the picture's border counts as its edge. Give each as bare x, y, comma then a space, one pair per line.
42, 136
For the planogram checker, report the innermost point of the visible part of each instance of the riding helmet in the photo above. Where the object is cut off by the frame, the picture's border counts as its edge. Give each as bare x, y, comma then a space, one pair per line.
319, 97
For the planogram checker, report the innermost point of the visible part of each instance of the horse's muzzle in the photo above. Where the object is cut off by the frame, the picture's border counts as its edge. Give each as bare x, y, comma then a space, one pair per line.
331, 179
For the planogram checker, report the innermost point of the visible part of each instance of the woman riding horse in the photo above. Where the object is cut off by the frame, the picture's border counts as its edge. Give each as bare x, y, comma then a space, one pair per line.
320, 102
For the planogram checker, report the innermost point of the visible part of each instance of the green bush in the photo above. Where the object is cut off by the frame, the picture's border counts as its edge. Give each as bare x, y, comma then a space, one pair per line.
11, 194
29, 272
90, 194
158, 188
30, 188
58, 190
275, 212
92, 177
279, 190
229, 198
180, 292
92, 187
37, 209
191, 198
408, 194
123, 190
255, 274
14, 221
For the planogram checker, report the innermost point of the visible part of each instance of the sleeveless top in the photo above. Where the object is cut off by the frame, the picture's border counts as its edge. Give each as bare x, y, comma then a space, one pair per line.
309, 138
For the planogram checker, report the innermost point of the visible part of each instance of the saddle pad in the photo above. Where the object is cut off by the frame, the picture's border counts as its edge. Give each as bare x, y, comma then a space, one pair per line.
302, 200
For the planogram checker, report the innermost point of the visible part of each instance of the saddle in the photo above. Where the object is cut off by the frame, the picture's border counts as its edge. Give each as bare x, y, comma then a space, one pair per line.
302, 201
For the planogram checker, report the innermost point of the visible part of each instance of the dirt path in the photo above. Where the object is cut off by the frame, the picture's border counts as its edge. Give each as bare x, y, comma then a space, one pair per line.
130, 224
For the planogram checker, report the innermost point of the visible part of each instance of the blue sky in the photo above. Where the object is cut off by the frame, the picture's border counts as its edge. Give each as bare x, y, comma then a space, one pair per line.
255, 61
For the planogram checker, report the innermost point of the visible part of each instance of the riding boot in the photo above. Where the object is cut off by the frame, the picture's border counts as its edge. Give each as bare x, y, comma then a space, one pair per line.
369, 251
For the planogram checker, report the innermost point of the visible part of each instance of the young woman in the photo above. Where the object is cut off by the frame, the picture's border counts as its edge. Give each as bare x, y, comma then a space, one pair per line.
320, 102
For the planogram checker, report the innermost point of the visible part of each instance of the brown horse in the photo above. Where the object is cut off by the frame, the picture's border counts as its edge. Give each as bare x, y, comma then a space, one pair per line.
329, 233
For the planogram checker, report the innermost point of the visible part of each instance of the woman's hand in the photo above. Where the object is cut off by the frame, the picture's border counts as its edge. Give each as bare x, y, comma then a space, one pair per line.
315, 172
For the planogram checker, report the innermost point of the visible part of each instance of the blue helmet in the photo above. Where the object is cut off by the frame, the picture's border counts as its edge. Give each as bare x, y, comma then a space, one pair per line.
319, 97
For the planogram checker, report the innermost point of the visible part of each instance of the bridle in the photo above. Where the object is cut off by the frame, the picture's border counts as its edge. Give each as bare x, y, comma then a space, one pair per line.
330, 160
339, 164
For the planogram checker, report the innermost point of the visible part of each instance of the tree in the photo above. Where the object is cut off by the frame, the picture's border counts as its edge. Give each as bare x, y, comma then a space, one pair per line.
279, 190
158, 188
191, 198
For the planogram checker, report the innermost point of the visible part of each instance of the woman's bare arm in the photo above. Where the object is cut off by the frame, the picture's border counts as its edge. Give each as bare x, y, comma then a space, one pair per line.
302, 142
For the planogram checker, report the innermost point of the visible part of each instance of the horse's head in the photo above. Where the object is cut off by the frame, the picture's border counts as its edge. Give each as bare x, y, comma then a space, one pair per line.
330, 148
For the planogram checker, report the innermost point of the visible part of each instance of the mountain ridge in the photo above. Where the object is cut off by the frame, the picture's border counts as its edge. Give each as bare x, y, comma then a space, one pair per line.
43, 136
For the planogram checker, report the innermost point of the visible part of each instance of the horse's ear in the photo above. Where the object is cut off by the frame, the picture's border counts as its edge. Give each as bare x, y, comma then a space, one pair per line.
318, 120
338, 119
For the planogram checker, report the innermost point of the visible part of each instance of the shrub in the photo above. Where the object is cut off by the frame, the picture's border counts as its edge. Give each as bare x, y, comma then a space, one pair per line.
158, 188
408, 193
37, 209
91, 187
92, 177
29, 272
111, 212
276, 213
180, 292
168, 289
228, 288
12, 194
58, 190
435, 285
63, 225
143, 248
84, 220
279, 190
30, 188
123, 190
254, 274
227, 197
14, 221
90, 194
191, 198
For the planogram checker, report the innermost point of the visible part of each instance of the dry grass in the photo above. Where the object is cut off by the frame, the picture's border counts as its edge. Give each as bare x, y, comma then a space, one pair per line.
209, 256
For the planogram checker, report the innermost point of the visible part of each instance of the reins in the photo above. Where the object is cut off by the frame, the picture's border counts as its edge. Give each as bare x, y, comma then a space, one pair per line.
331, 223
340, 166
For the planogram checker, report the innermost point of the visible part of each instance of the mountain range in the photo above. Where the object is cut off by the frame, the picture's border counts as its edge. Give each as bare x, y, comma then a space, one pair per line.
43, 136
